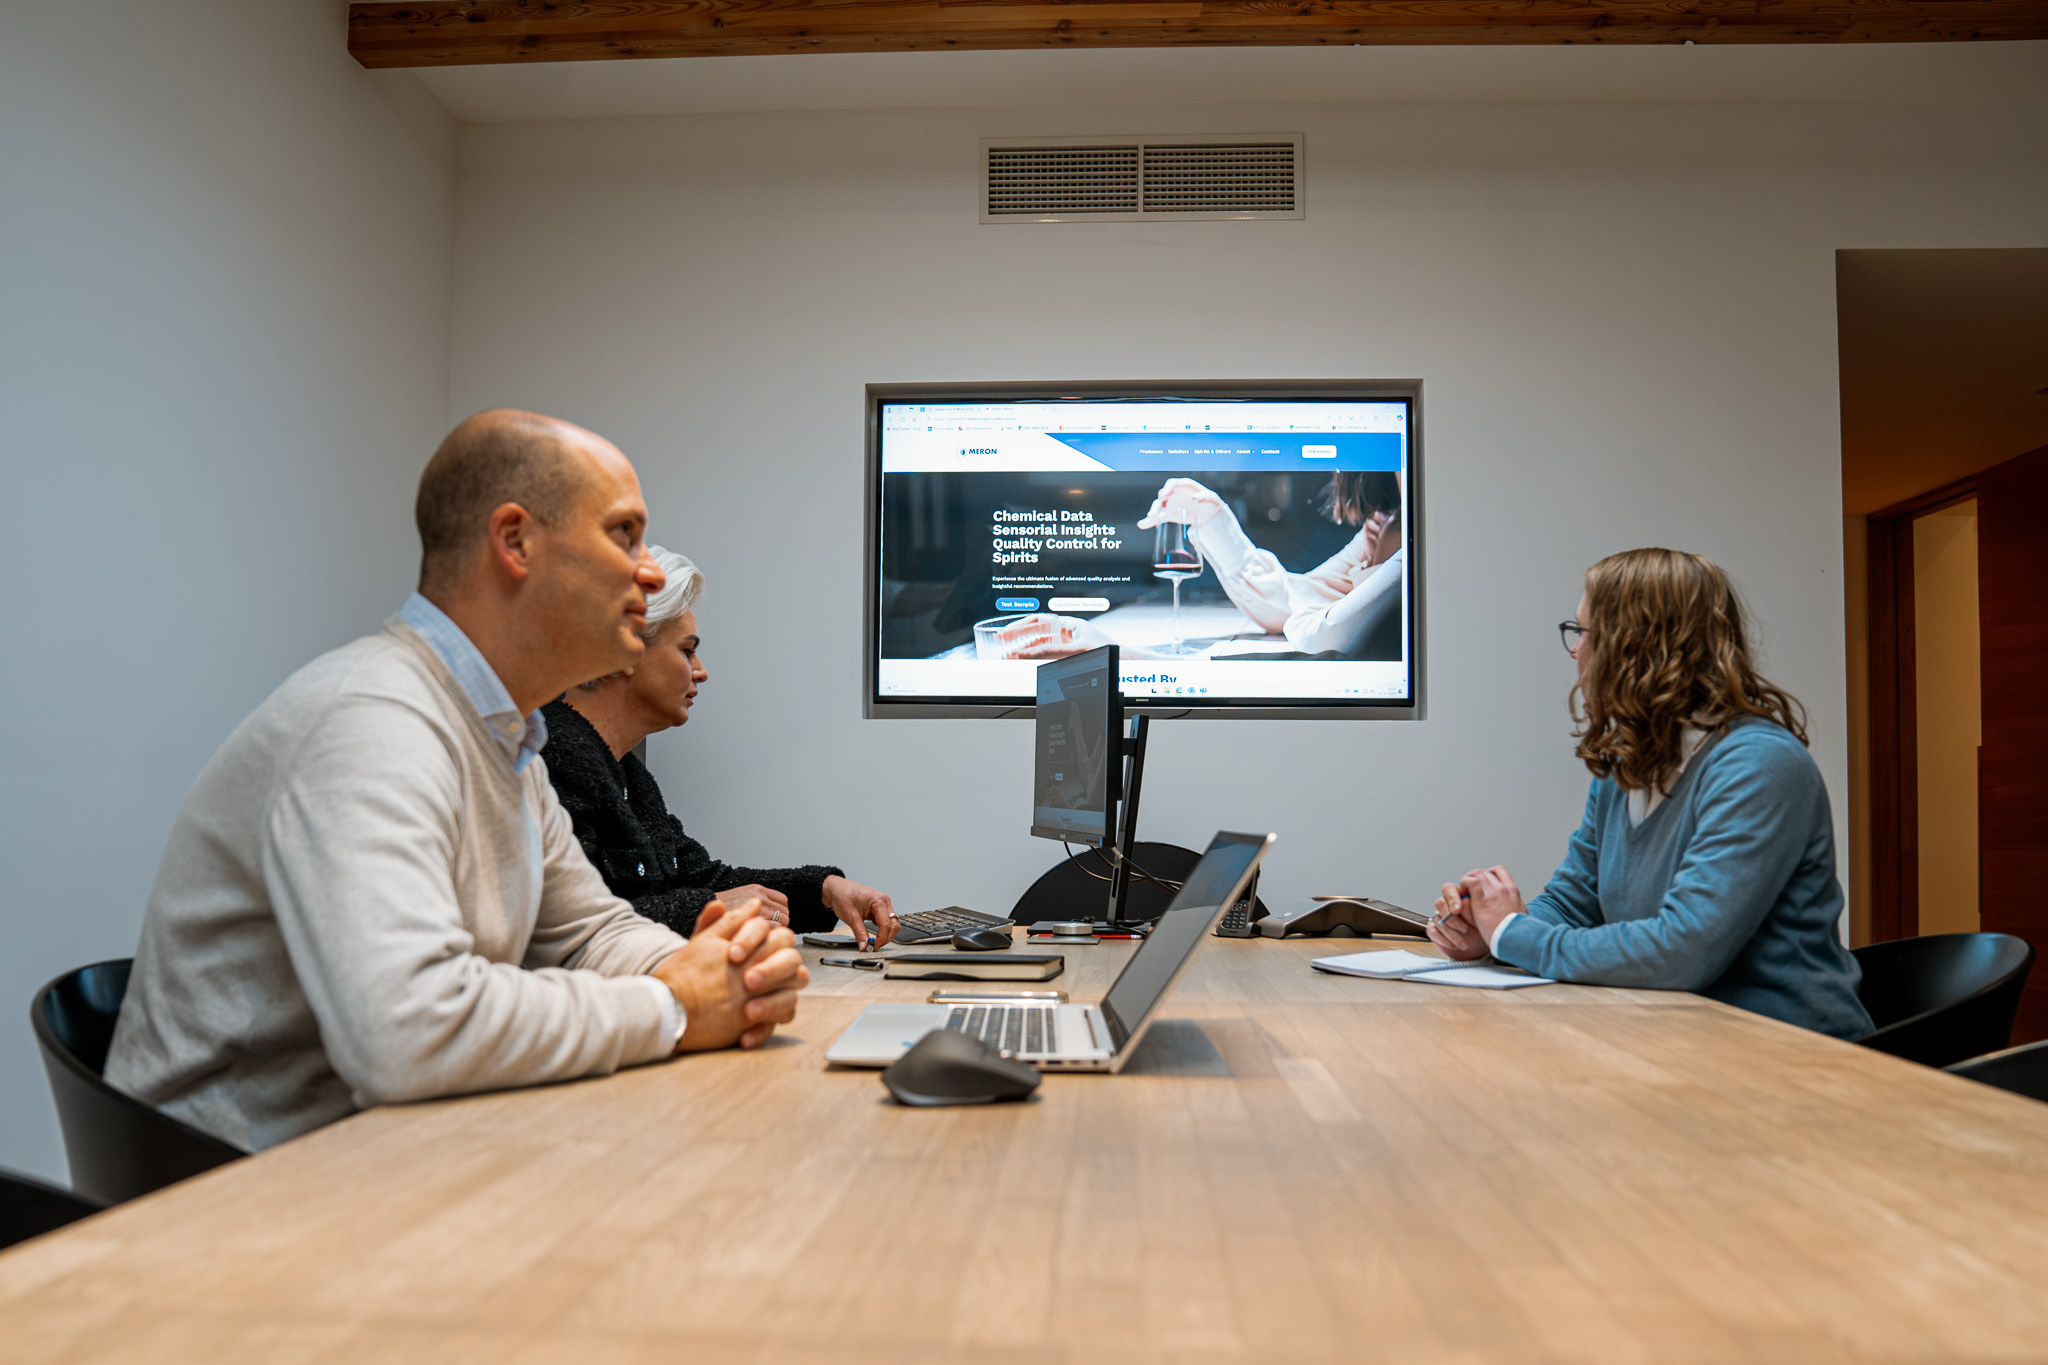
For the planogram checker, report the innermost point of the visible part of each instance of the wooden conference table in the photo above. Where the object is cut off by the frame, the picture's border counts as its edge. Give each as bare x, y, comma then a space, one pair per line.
1297, 1167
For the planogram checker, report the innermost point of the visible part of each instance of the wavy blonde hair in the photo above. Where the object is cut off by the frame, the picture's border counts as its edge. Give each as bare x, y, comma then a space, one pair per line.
1669, 648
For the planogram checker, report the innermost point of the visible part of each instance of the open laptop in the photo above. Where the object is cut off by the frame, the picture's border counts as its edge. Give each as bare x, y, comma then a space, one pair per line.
1055, 1037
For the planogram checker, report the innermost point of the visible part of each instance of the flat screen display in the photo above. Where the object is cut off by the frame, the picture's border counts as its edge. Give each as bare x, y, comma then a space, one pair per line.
1079, 723
1241, 552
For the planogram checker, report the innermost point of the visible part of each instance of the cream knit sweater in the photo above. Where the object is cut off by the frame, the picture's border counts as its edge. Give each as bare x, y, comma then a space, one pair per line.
361, 903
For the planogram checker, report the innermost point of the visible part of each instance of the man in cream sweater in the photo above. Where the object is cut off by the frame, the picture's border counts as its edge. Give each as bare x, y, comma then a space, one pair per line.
372, 895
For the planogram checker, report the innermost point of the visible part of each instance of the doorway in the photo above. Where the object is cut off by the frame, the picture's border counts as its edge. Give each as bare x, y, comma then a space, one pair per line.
1944, 386
1926, 716
1949, 701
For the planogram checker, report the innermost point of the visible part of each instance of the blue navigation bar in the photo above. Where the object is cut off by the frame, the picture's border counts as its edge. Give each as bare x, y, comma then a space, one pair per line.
1190, 451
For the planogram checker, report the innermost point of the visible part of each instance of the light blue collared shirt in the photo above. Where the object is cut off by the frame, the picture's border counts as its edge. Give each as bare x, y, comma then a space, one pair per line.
521, 737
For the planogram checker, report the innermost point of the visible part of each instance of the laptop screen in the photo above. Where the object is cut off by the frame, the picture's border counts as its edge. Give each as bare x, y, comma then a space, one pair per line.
1225, 867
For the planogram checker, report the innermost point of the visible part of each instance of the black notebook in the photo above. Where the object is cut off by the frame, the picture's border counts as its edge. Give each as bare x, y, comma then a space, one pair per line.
975, 966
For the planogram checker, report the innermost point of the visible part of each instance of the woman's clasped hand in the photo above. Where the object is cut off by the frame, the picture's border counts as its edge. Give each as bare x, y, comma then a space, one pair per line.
1470, 909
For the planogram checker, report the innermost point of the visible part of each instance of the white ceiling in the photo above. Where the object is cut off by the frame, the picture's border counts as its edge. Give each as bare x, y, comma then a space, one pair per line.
1935, 73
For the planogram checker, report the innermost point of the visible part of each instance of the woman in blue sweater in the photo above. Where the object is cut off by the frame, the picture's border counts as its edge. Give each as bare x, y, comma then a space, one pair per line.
1706, 859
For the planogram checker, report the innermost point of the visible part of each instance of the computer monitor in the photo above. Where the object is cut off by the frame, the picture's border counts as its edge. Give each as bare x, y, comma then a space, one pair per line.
1281, 576
1078, 767
1086, 772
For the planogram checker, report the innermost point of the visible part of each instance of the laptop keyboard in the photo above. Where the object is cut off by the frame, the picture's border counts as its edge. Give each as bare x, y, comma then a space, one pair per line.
1012, 1028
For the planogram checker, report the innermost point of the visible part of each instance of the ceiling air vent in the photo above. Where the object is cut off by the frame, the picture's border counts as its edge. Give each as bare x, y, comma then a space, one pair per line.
1122, 180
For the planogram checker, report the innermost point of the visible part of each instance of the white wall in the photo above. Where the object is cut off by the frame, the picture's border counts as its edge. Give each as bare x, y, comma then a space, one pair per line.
1624, 316
225, 332
223, 359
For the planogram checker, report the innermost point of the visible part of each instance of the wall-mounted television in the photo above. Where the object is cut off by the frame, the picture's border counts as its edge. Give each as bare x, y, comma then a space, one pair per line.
1279, 574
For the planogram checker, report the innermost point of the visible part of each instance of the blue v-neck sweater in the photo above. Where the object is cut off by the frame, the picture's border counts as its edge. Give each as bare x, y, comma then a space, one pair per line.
1727, 888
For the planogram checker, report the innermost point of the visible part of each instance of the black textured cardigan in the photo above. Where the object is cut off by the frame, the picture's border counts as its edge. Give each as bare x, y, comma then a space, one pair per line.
640, 849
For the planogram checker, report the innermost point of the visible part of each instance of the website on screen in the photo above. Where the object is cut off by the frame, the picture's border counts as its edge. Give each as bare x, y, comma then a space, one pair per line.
1235, 551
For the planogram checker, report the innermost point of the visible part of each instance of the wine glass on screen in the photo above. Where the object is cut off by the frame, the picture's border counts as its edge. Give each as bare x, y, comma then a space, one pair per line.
1175, 558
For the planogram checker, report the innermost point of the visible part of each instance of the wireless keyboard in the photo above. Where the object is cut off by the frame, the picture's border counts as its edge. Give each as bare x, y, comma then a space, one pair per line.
924, 926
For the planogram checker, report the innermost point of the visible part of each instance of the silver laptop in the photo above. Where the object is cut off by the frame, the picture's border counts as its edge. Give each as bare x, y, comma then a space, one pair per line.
1055, 1037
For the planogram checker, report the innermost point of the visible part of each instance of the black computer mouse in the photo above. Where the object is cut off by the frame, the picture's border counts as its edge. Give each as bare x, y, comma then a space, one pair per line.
981, 940
945, 1067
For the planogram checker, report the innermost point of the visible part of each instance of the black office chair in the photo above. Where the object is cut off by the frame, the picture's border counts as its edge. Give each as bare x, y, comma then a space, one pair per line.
2022, 1070
119, 1147
29, 1208
1078, 887
1940, 999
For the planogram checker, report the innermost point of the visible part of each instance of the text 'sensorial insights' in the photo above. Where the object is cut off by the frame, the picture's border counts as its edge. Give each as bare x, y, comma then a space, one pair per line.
1020, 537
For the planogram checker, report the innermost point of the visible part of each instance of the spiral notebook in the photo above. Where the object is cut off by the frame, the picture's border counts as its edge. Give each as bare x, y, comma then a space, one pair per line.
1401, 965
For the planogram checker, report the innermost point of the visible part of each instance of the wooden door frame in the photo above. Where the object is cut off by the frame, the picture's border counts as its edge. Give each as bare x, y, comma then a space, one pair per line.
1894, 731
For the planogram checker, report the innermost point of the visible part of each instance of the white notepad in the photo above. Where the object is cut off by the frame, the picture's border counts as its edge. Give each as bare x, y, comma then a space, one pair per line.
1400, 965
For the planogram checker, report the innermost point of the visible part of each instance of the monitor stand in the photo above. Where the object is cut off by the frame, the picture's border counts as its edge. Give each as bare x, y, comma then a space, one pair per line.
1054, 897
1119, 920
1047, 895
1050, 901
1133, 747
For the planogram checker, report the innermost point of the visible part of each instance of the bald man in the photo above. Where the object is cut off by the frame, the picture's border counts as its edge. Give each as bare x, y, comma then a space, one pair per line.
372, 895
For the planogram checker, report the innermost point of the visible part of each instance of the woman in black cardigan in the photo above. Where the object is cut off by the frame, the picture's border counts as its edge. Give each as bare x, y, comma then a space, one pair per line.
623, 824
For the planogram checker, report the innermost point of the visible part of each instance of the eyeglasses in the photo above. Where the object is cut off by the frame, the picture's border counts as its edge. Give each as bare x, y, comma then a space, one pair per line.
1571, 632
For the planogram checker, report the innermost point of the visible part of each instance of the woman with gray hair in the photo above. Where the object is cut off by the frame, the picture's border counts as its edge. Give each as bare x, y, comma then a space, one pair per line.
623, 824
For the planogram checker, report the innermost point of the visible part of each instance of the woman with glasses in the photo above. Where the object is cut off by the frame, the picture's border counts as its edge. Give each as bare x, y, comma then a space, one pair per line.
1706, 858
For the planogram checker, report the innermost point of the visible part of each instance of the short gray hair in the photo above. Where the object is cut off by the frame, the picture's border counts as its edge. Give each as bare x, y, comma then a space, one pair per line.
678, 595
685, 584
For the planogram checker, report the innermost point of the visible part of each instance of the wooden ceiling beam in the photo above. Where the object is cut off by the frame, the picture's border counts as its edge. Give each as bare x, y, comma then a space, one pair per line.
491, 32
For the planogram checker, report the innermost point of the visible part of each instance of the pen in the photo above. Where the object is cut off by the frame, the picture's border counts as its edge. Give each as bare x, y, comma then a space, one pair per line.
866, 964
1464, 900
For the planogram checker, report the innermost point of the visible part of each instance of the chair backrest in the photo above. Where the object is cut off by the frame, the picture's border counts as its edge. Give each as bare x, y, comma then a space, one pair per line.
81, 1008
1943, 998
29, 1208
2022, 1070
119, 1147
